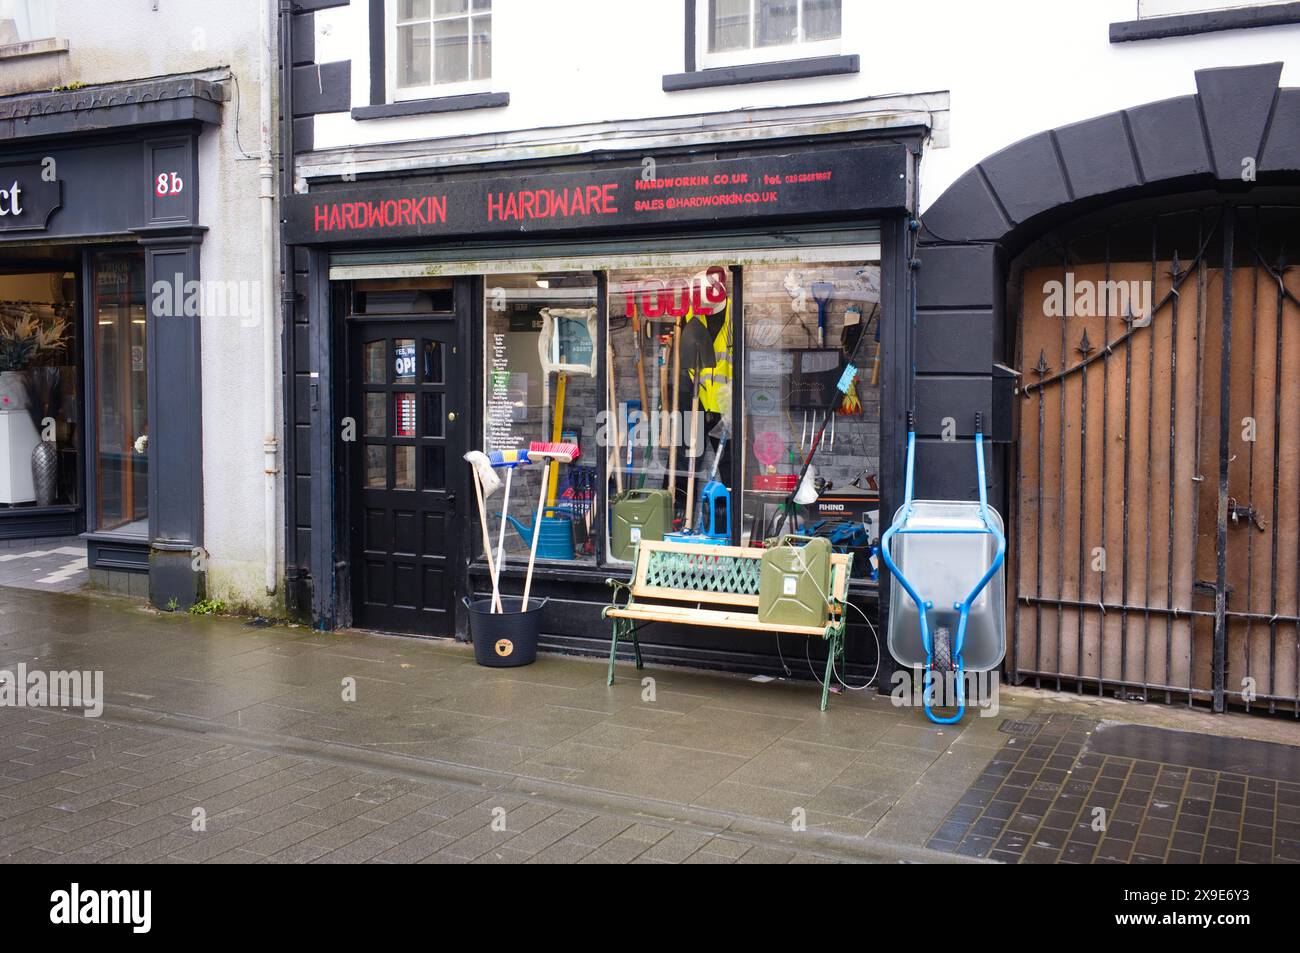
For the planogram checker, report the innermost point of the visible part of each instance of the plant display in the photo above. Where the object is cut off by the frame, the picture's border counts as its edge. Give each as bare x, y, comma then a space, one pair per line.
26, 341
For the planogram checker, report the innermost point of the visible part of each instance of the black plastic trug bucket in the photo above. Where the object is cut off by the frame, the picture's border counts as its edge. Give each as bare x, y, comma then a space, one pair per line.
504, 639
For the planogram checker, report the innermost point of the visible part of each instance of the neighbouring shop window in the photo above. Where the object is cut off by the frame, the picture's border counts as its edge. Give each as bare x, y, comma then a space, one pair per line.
540, 367
735, 32
121, 448
38, 389
439, 46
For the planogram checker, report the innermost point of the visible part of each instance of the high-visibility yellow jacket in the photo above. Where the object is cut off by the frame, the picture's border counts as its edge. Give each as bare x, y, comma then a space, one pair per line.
715, 381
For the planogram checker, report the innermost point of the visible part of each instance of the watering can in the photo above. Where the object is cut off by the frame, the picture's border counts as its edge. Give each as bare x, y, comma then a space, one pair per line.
556, 539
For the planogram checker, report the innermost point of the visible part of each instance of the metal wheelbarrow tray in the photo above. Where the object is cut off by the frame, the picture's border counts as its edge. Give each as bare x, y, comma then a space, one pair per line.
947, 607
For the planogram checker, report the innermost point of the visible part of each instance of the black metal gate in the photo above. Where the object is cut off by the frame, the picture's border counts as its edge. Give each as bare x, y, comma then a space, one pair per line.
1157, 493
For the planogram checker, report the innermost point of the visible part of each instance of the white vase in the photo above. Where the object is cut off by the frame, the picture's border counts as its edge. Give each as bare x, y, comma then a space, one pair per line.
12, 394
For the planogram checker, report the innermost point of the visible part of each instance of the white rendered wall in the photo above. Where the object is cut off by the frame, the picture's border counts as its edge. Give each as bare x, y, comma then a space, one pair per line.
1013, 67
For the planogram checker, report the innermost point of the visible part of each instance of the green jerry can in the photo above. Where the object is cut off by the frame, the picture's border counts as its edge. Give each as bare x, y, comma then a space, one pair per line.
638, 515
794, 581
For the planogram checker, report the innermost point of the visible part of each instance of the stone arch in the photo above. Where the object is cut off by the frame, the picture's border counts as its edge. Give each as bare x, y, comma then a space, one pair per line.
971, 233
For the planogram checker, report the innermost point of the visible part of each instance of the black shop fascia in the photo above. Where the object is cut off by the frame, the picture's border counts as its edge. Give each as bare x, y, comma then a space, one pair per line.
511, 304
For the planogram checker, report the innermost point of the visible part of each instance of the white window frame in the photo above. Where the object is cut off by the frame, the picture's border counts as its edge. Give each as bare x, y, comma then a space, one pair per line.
399, 94
758, 54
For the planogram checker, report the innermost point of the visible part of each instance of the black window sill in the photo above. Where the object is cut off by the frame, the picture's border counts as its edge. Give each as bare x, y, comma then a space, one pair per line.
762, 72
1191, 24
440, 104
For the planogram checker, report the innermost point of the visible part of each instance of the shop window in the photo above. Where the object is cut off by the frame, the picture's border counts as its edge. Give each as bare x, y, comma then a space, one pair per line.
739, 32
541, 386
439, 47
38, 389
701, 457
121, 449
803, 324
672, 347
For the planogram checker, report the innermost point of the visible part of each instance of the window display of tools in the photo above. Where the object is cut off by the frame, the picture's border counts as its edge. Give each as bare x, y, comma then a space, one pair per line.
486, 482
552, 454
949, 624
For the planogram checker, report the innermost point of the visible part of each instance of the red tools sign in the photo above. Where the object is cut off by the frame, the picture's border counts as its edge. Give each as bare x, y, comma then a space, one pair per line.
869, 179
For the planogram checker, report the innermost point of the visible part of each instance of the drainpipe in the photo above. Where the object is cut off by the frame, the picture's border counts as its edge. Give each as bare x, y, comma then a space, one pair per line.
266, 195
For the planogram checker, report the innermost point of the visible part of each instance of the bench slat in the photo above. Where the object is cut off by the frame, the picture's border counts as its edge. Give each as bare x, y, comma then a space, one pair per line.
710, 617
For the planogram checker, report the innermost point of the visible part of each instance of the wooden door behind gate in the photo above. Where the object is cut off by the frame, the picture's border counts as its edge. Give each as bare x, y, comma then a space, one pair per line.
1157, 539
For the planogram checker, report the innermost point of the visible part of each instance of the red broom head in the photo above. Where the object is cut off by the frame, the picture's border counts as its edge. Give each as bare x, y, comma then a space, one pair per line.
562, 452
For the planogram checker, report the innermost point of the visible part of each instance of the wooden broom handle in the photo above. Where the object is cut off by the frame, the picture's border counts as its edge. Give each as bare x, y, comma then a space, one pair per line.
612, 397
487, 542
537, 532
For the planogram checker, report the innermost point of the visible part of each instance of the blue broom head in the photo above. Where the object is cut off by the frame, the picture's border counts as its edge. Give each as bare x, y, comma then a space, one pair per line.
509, 458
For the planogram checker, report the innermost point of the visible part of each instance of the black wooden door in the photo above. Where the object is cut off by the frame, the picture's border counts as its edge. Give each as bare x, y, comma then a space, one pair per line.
406, 394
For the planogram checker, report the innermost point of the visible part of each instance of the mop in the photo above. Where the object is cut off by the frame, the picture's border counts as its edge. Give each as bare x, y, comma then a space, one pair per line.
552, 453
486, 482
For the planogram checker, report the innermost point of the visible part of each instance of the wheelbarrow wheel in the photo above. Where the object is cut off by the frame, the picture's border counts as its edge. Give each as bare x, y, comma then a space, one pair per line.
941, 650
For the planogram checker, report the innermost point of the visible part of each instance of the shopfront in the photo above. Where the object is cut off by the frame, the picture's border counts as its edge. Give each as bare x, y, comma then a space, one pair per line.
99, 390
682, 320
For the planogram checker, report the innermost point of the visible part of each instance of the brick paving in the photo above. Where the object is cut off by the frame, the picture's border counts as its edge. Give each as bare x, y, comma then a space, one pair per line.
1050, 797
350, 747
80, 790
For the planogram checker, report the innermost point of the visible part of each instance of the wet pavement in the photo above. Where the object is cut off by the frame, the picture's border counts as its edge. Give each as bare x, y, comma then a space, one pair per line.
301, 746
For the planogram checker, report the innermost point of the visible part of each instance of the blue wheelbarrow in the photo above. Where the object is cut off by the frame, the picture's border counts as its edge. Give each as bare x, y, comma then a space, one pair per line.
946, 553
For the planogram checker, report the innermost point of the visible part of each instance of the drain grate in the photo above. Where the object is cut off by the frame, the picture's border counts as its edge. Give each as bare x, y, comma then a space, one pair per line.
1021, 729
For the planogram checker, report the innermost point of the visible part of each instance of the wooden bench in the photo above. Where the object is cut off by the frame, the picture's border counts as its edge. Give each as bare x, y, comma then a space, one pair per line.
713, 587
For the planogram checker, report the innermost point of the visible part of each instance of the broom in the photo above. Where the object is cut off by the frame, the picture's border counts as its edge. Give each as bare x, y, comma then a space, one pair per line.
486, 482
553, 453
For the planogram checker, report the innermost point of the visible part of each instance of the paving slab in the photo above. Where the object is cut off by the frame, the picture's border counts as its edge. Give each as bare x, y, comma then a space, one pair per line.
352, 747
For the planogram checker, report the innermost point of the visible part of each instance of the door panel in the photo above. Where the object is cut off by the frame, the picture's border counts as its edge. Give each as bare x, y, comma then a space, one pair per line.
405, 396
